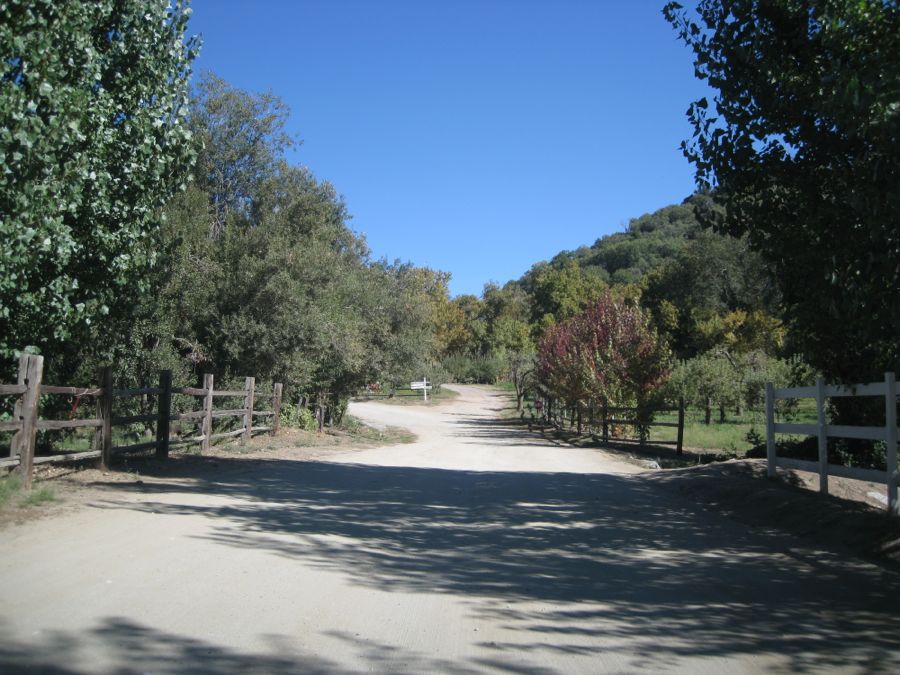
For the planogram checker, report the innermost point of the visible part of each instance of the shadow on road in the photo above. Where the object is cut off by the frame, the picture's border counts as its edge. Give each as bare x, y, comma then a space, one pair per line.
572, 558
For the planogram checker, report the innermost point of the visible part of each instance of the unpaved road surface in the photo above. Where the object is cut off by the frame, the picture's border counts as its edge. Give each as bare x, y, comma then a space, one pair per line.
480, 548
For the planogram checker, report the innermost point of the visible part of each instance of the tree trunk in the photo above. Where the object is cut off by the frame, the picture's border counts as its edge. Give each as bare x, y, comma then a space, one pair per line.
707, 409
721, 413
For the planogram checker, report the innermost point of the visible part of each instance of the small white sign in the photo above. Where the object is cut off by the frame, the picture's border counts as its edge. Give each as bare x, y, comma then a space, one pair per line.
423, 385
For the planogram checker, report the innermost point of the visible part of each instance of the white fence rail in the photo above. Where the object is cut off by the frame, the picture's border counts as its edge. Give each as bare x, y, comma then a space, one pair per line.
821, 429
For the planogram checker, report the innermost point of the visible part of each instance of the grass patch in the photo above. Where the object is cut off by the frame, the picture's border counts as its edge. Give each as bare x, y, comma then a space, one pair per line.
10, 486
11, 490
702, 442
352, 433
363, 433
37, 496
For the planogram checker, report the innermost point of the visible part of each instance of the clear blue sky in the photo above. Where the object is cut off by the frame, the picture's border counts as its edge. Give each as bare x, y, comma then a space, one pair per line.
472, 136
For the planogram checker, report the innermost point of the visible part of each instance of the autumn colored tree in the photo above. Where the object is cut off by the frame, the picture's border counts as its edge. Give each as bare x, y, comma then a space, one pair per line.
609, 353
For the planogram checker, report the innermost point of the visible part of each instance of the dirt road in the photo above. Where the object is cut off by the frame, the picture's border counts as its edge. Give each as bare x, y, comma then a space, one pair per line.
480, 548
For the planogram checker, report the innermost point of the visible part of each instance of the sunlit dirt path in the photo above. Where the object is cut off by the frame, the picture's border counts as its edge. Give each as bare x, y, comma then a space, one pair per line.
479, 548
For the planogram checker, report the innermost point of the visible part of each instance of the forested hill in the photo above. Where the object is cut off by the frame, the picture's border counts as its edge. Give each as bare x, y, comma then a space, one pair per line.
627, 257
688, 277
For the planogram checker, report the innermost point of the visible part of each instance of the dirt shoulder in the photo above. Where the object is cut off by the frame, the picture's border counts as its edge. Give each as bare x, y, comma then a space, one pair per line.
69, 486
740, 489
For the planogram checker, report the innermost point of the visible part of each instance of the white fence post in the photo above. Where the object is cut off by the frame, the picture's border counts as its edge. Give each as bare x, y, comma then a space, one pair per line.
823, 435
770, 428
890, 421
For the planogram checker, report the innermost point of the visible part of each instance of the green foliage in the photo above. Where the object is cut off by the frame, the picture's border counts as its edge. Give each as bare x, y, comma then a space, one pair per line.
475, 369
269, 280
40, 495
559, 293
706, 279
242, 142
521, 369
624, 258
296, 416
10, 486
716, 378
800, 145
705, 380
93, 142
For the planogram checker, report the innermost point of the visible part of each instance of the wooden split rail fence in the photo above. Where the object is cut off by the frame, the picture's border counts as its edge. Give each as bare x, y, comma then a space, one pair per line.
604, 421
823, 431
26, 420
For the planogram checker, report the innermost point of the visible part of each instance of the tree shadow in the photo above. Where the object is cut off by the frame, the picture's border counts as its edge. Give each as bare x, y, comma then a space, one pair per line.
566, 564
130, 647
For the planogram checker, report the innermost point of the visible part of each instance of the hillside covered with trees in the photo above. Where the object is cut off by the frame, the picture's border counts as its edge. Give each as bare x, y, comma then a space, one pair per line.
708, 297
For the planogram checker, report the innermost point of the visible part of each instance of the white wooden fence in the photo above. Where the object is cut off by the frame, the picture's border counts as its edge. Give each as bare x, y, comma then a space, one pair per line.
821, 391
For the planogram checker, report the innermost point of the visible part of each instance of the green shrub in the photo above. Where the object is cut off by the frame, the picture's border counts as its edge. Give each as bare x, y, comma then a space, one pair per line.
37, 496
479, 369
9, 485
297, 417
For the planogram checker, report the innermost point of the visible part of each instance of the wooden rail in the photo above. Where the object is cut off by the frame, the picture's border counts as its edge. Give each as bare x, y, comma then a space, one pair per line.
603, 418
26, 422
823, 431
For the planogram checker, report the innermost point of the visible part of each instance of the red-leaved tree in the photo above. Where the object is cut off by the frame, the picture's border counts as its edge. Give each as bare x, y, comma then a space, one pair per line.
610, 353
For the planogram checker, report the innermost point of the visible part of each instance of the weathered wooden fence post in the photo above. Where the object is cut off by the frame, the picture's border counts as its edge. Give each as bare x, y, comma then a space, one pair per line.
890, 421
320, 413
19, 436
207, 409
103, 436
276, 408
822, 435
249, 390
31, 370
605, 421
164, 413
770, 429
679, 446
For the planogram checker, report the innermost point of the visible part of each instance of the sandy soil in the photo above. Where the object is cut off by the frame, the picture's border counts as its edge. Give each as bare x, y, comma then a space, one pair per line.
479, 548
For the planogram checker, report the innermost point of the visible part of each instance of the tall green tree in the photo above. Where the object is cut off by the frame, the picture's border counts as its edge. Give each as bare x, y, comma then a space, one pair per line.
268, 279
242, 141
559, 293
93, 142
800, 145
708, 277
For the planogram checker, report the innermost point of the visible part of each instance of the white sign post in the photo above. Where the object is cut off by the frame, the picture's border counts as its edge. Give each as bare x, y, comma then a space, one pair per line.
423, 385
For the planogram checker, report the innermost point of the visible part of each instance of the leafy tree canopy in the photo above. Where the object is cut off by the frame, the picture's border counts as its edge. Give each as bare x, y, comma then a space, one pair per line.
801, 146
610, 352
93, 141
